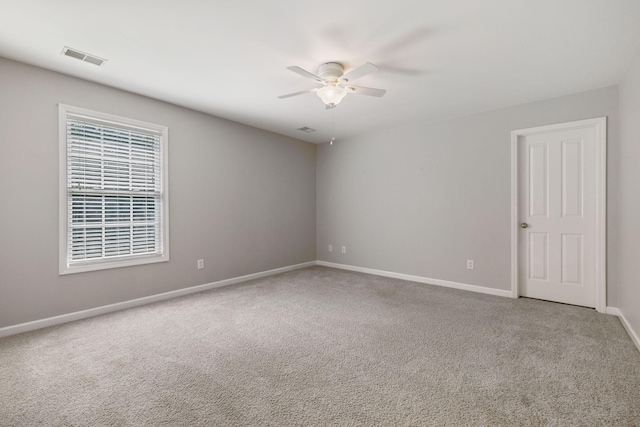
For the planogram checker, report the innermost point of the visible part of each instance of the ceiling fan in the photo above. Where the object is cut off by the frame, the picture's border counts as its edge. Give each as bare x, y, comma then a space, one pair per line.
335, 83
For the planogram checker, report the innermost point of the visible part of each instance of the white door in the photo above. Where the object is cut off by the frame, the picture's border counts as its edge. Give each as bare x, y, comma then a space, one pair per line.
557, 215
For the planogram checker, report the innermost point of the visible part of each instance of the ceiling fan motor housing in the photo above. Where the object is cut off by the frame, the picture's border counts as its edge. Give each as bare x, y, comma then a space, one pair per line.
331, 71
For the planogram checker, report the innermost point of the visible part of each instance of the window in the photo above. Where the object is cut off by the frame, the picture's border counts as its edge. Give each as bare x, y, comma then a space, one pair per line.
113, 191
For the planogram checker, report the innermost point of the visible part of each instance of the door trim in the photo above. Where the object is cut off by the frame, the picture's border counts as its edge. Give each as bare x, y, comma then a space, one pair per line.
600, 125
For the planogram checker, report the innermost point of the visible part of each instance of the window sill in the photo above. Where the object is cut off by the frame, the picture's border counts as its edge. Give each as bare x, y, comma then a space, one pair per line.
112, 263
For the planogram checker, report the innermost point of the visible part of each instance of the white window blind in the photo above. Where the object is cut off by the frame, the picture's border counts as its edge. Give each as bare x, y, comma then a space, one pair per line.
114, 192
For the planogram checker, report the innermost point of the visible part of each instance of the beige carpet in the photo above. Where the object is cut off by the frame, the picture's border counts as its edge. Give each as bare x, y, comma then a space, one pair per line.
317, 347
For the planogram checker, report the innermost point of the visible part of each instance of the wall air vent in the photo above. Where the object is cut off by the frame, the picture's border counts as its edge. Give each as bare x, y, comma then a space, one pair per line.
306, 129
86, 57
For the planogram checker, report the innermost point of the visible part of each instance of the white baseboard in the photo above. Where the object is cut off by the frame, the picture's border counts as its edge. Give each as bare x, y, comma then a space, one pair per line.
613, 311
632, 334
83, 314
70, 317
420, 279
466, 287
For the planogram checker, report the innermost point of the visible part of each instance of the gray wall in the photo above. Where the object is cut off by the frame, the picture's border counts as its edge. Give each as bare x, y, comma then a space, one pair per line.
423, 199
419, 200
240, 198
629, 302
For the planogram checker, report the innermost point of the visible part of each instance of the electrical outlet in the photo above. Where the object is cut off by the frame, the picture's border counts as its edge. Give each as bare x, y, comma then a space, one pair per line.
470, 264
344, 249
200, 264
330, 248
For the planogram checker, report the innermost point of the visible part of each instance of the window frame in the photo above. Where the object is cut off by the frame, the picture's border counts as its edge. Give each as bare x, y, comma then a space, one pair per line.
65, 267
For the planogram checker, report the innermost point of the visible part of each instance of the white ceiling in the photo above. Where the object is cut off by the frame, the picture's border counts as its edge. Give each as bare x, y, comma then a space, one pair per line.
438, 58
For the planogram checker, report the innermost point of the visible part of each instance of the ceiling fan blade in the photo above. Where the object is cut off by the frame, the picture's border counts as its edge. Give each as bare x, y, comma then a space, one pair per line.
369, 91
305, 73
361, 71
302, 92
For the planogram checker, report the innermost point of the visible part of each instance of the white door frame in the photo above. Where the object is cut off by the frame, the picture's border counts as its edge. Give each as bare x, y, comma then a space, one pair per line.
600, 125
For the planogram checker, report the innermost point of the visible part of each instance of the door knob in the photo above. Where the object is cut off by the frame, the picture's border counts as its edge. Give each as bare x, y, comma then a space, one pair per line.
524, 225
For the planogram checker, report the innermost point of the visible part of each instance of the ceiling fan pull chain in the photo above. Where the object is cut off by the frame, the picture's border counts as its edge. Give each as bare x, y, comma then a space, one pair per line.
333, 126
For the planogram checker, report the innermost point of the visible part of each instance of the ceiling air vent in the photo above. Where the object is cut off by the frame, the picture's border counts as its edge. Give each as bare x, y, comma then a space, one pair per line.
92, 59
306, 129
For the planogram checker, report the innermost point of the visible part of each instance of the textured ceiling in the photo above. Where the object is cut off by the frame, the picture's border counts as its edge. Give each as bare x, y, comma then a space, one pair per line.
437, 59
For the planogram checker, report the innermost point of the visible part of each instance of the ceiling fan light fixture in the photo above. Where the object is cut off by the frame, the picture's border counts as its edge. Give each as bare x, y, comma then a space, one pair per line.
331, 94
335, 83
